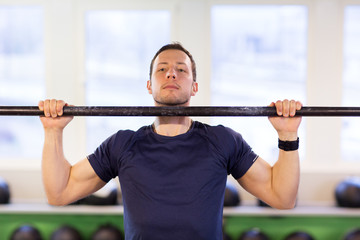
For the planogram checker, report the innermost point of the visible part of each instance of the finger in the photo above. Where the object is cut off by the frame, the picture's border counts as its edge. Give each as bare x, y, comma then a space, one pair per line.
286, 108
41, 105
292, 108
59, 107
298, 105
47, 108
279, 107
272, 104
53, 111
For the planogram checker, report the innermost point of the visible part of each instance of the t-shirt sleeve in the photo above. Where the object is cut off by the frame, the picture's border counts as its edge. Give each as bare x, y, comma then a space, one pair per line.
105, 159
241, 156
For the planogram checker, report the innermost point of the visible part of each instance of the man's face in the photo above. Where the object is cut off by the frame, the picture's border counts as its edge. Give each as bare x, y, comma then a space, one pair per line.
171, 81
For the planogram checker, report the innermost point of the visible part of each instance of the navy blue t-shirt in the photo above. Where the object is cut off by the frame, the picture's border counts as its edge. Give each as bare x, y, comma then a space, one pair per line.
173, 187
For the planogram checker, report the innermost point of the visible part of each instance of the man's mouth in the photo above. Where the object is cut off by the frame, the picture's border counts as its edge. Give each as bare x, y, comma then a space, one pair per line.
171, 86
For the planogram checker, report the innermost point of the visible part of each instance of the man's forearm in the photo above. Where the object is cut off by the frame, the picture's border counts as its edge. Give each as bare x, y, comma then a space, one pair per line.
286, 177
55, 168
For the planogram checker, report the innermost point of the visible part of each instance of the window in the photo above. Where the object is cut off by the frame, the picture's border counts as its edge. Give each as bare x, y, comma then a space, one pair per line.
350, 139
258, 55
21, 78
119, 48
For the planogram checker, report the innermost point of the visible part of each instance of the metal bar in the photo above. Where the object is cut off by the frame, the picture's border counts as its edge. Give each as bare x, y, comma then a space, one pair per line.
181, 111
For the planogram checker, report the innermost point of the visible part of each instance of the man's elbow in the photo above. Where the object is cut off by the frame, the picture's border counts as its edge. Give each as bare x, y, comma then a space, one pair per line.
282, 203
57, 201
286, 205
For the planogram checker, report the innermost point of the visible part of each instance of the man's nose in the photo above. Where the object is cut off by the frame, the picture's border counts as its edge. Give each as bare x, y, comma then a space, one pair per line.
171, 74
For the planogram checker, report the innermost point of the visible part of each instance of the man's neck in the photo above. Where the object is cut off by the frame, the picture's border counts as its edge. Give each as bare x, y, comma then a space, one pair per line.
172, 126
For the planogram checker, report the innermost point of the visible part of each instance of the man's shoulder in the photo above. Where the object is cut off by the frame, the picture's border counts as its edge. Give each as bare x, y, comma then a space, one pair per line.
126, 137
131, 133
214, 129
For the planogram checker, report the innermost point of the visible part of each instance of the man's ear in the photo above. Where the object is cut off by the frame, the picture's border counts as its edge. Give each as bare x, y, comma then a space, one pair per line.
194, 88
148, 86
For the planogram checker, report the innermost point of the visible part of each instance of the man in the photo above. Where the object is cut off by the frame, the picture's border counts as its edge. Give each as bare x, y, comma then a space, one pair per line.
173, 173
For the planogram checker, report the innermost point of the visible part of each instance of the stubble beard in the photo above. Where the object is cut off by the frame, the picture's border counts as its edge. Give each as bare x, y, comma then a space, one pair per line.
171, 101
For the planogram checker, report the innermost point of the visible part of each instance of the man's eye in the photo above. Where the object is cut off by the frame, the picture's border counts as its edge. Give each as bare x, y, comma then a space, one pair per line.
161, 69
181, 70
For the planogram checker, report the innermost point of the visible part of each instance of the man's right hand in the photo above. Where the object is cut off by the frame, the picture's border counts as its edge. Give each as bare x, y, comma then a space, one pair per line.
53, 111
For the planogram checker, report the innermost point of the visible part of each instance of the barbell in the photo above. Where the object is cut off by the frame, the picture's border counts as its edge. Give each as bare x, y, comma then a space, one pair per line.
181, 111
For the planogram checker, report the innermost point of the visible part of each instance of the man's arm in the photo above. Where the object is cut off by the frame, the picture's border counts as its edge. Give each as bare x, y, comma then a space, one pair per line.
63, 182
278, 185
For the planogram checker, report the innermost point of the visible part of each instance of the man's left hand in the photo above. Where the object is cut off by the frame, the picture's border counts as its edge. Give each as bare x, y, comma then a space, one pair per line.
287, 123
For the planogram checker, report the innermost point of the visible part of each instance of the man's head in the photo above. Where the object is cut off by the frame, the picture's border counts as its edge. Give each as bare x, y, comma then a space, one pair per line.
172, 80
175, 46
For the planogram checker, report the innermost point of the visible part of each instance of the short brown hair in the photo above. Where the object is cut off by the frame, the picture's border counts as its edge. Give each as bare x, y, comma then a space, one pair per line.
175, 46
